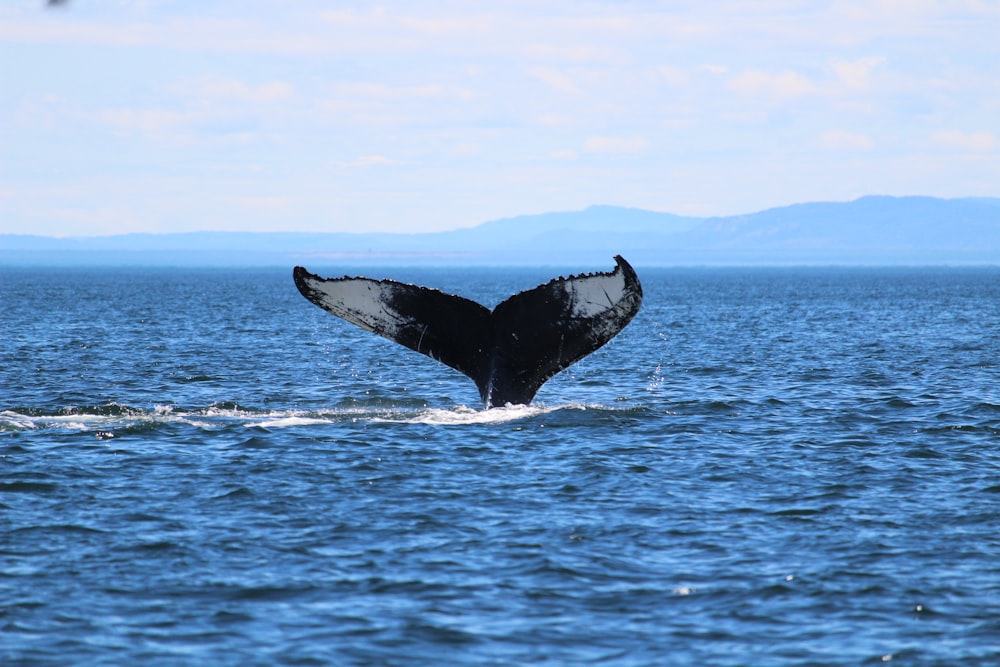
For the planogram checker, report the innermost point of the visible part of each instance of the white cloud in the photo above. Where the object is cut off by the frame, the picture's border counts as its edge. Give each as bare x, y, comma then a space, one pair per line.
372, 161
713, 69
554, 79
178, 33
449, 26
265, 203
366, 161
625, 145
779, 84
217, 87
840, 140
582, 54
857, 73
675, 76
145, 121
973, 142
466, 149
554, 120
389, 92
353, 92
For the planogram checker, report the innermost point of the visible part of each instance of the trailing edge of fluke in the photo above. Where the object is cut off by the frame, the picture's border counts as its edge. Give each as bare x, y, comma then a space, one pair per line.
510, 352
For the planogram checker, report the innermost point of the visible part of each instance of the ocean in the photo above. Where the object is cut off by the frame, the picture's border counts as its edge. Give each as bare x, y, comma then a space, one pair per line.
788, 466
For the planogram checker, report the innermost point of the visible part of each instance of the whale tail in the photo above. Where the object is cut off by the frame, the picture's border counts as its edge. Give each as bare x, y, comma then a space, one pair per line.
510, 352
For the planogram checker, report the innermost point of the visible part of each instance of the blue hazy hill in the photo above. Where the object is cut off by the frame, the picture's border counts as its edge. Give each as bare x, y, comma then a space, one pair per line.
876, 229
871, 230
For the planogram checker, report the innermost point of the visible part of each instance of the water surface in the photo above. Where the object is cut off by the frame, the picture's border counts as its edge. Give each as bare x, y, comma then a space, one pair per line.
768, 466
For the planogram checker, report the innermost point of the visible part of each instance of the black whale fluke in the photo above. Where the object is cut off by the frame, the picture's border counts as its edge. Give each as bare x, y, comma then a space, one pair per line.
510, 352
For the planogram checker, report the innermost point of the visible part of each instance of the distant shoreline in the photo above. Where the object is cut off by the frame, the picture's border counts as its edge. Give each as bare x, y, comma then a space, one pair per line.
871, 231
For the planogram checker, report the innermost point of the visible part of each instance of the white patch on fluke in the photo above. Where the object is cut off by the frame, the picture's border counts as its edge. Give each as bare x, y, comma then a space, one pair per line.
360, 301
596, 295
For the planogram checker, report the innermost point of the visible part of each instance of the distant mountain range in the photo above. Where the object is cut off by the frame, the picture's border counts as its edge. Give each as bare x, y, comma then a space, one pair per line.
876, 230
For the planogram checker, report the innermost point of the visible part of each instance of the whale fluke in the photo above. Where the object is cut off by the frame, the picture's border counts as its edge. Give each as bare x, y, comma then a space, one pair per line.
510, 352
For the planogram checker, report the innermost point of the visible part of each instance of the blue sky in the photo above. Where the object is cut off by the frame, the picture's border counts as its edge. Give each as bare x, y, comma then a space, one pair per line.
261, 115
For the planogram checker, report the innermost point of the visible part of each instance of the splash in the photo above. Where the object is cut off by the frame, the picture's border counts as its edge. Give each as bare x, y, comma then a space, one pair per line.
461, 415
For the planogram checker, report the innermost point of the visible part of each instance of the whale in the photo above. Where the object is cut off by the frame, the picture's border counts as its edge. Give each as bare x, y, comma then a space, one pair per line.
510, 351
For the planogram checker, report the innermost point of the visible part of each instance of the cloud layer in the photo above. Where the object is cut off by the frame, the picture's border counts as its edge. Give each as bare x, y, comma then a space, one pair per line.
150, 116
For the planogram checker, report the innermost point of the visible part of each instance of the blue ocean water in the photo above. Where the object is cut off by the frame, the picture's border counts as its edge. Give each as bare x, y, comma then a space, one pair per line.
768, 466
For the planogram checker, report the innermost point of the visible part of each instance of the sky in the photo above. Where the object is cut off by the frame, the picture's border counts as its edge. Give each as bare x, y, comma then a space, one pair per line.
259, 115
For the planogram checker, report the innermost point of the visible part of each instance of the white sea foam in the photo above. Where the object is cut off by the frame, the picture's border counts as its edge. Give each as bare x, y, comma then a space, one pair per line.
13, 421
288, 421
466, 415
219, 417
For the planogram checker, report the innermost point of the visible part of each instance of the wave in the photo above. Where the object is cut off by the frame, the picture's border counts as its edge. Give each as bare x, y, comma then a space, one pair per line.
112, 419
